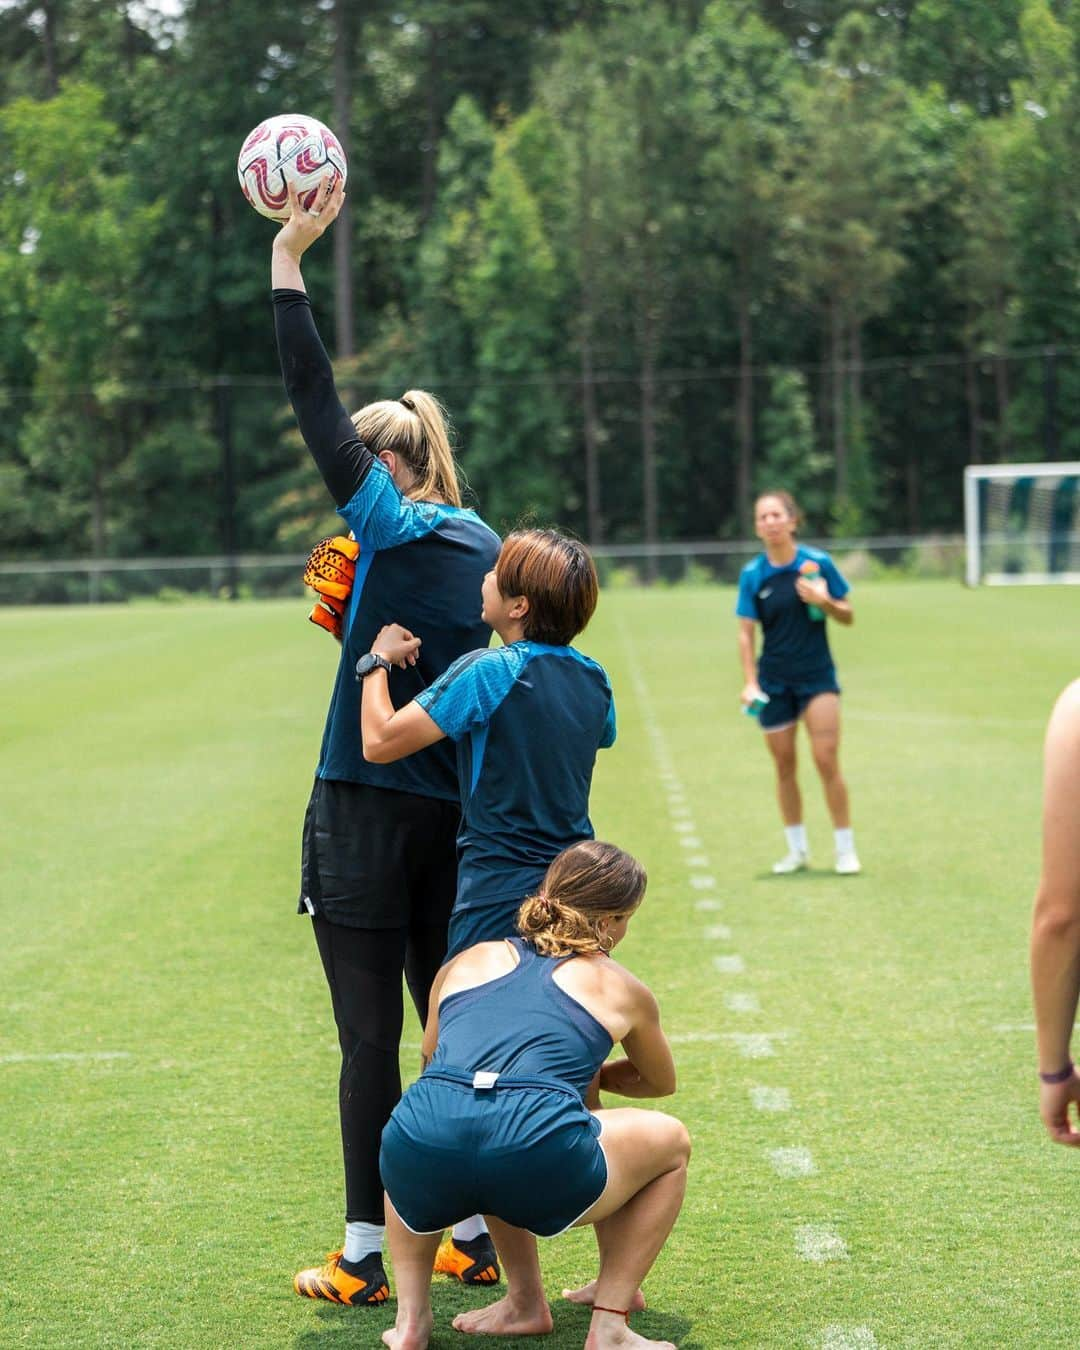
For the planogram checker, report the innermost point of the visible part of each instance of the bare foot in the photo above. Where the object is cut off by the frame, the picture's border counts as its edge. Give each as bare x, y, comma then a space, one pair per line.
611, 1333
409, 1333
587, 1295
507, 1317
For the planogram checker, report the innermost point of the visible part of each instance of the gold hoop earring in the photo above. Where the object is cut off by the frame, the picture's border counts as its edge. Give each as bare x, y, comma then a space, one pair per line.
600, 943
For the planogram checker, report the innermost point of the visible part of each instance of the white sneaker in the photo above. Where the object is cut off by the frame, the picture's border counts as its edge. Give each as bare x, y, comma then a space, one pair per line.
794, 862
847, 864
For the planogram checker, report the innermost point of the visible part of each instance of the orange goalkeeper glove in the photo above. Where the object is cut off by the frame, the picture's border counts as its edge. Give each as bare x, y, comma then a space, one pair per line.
330, 571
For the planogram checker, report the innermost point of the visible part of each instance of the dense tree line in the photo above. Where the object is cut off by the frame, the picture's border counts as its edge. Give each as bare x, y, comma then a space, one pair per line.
652, 255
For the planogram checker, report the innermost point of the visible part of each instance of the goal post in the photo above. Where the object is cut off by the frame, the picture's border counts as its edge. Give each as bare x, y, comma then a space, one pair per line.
1022, 524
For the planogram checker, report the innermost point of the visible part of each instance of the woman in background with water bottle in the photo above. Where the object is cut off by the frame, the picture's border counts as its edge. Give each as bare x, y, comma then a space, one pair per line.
790, 590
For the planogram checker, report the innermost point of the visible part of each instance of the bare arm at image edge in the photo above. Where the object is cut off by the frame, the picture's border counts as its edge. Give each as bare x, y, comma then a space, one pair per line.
1055, 932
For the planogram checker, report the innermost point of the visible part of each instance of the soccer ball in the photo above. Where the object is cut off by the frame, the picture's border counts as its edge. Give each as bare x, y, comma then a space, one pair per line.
287, 149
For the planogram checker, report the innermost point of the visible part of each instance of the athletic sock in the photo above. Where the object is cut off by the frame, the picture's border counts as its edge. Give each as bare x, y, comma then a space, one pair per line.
469, 1229
796, 838
362, 1238
845, 840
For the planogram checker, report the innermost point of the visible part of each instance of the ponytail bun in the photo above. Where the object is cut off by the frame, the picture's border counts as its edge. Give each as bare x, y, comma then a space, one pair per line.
557, 929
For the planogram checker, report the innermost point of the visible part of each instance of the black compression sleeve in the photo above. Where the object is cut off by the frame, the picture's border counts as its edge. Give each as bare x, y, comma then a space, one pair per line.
342, 458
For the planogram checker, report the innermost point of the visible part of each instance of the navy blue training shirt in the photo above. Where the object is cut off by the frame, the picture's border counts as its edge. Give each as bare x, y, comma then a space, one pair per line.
528, 720
795, 647
421, 564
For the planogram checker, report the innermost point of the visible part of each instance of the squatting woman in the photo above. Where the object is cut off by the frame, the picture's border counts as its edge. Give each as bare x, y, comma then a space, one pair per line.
498, 1121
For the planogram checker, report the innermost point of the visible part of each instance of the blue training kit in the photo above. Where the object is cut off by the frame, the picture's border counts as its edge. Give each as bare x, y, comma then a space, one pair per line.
528, 720
497, 1123
421, 564
795, 662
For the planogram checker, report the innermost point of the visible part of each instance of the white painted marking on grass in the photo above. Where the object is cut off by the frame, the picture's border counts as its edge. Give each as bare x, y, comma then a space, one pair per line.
718, 932
770, 1099
792, 1162
839, 1337
683, 827
691, 841
742, 1003
67, 1057
755, 1044
696, 1037
698, 860
728, 965
815, 1242
701, 881
1014, 1026
708, 906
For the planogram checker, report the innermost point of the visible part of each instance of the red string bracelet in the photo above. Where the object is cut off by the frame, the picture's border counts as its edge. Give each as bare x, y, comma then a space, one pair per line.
619, 1312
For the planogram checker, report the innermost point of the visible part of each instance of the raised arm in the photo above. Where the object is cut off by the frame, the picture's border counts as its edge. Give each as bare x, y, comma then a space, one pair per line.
1055, 930
342, 458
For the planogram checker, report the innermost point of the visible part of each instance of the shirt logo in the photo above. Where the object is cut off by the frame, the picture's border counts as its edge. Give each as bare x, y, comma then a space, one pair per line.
765, 593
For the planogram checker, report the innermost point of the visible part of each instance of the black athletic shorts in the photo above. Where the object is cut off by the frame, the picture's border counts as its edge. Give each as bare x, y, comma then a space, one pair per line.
377, 858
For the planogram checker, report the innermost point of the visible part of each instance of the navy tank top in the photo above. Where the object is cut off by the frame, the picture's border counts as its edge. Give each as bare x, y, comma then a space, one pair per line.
522, 1023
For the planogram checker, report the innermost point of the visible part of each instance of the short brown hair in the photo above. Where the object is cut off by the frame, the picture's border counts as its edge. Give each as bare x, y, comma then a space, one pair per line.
587, 882
790, 505
558, 578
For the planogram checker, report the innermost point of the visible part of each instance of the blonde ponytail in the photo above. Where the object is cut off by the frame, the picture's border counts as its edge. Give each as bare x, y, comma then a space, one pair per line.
415, 428
586, 884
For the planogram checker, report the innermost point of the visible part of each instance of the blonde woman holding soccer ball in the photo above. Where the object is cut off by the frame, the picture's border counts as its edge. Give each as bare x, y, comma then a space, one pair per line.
790, 590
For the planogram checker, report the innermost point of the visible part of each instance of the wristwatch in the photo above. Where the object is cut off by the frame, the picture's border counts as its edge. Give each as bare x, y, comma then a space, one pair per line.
371, 661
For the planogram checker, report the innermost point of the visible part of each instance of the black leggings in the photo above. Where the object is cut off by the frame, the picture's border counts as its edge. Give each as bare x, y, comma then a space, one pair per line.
363, 969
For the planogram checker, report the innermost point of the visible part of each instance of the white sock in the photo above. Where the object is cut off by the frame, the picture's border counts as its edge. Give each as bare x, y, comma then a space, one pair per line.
845, 841
361, 1239
796, 838
468, 1229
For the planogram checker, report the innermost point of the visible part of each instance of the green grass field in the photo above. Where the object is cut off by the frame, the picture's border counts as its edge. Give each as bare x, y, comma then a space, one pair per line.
168, 1136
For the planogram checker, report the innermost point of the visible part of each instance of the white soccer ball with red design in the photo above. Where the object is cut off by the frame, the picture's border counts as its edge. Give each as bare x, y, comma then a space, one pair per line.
288, 149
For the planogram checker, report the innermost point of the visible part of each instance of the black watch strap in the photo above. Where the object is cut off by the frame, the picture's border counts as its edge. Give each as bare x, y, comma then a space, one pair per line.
371, 661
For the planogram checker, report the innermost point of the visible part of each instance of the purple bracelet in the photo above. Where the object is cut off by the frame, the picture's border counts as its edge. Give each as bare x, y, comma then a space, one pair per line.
1062, 1075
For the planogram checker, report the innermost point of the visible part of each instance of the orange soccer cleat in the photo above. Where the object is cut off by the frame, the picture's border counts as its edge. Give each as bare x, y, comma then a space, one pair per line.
472, 1262
358, 1284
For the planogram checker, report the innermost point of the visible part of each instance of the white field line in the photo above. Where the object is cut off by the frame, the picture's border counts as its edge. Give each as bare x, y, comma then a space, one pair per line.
698, 860
683, 827
708, 906
1014, 1026
696, 1037
718, 932
701, 881
691, 841
729, 965
840, 1337
67, 1057
792, 1162
742, 1003
755, 1044
818, 1243
770, 1098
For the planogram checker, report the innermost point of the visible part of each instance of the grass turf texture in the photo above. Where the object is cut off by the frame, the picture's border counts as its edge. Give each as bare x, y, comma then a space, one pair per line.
154, 766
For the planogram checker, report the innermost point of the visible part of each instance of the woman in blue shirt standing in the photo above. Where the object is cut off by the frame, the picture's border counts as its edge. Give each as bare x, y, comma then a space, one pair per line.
790, 590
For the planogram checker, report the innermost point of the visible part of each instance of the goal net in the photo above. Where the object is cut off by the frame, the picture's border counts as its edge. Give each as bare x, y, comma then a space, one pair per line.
1022, 524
